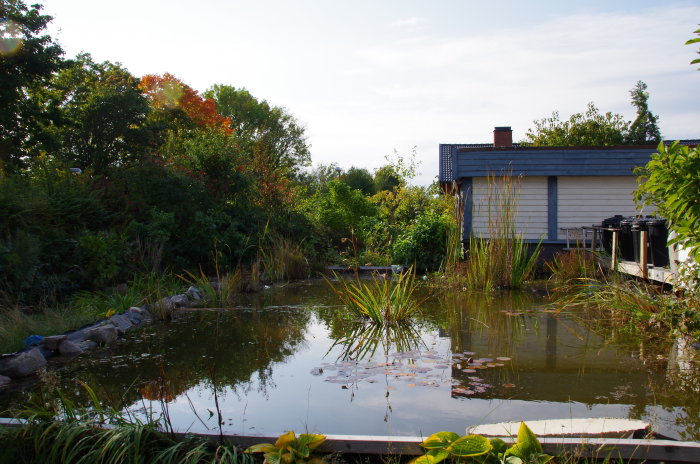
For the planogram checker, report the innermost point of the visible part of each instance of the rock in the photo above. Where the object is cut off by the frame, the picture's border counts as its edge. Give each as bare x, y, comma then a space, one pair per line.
22, 364
78, 336
4, 380
86, 345
54, 341
121, 322
103, 334
180, 301
69, 348
138, 310
194, 293
134, 317
163, 306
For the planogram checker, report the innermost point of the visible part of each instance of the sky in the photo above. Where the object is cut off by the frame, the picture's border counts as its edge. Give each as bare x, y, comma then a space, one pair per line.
368, 77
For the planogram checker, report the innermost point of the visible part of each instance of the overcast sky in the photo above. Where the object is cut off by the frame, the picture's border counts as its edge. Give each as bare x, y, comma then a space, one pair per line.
368, 77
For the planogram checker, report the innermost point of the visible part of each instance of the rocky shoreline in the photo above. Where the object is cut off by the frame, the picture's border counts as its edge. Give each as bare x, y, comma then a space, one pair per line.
28, 361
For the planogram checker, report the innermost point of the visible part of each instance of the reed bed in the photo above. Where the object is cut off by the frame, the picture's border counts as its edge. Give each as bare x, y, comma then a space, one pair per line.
383, 300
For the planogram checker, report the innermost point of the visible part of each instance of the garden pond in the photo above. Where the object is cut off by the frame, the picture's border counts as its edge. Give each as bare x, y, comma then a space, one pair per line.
289, 358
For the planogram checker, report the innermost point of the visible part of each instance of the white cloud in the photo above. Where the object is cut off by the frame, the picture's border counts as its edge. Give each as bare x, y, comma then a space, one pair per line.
404, 22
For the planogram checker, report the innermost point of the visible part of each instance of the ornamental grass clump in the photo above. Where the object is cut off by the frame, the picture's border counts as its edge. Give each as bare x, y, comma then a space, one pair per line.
382, 300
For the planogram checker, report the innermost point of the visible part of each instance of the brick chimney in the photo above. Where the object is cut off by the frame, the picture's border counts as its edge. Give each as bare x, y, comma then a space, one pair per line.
502, 137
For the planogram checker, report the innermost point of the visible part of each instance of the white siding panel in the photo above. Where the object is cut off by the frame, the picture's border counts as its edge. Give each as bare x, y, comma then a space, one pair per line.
531, 220
585, 201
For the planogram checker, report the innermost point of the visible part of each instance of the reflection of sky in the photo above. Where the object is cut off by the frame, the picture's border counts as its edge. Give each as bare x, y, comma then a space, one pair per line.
296, 399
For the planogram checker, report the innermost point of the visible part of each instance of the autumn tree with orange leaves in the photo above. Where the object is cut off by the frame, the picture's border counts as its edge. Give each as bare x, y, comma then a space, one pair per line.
168, 93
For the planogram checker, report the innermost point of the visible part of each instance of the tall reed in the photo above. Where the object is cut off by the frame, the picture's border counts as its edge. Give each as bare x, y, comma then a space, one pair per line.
503, 259
381, 300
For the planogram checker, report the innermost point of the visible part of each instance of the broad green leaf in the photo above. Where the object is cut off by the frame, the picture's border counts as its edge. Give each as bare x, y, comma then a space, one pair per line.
470, 445
544, 458
285, 439
312, 440
438, 455
440, 440
498, 445
272, 457
513, 460
425, 459
527, 444
260, 448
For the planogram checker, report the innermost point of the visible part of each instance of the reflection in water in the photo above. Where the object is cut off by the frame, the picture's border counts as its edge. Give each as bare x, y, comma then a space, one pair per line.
362, 339
287, 359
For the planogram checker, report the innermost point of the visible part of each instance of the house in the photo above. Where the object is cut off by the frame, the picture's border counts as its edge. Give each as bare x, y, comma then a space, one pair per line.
560, 187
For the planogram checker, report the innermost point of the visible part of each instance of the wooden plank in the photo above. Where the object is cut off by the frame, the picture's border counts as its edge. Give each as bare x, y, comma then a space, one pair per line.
643, 255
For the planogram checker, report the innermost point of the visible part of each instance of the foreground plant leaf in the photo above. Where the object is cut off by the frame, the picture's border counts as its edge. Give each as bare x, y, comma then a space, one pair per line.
440, 440
470, 445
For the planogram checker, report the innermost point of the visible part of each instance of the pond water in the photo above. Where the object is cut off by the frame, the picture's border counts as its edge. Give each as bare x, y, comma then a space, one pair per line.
287, 359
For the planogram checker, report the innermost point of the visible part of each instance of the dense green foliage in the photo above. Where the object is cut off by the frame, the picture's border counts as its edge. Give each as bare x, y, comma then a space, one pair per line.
671, 182
105, 175
593, 128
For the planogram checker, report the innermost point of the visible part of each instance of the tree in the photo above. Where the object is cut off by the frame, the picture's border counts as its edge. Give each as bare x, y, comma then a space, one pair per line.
692, 41
590, 128
27, 60
277, 139
644, 128
95, 115
671, 182
170, 95
360, 179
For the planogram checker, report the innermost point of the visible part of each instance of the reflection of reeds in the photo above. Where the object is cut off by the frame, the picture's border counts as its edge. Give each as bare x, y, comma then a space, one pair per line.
382, 300
361, 341
503, 260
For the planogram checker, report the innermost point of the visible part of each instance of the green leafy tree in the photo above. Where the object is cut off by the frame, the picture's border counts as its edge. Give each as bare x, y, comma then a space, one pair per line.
342, 207
590, 128
28, 59
96, 116
671, 182
644, 128
278, 140
360, 179
693, 41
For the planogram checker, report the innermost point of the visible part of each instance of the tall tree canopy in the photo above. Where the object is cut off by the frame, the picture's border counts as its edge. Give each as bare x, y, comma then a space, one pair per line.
594, 128
644, 128
28, 59
94, 115
276, 138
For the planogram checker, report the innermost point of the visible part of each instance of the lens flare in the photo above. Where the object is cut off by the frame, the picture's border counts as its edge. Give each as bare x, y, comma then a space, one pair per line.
10, 37
169, 94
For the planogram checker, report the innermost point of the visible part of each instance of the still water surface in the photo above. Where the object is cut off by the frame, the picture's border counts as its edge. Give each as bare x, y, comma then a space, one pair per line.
288, 359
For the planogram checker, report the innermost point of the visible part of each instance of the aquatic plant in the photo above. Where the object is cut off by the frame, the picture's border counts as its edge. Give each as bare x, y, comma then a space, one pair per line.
573, 264
290, 449
633, 306
383, 300
362, 339
443, 445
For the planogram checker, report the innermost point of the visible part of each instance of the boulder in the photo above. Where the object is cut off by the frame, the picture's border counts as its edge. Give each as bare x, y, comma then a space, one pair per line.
86, 345
22, 364
103, 334
4, 380
121, 322
194, 293
180, 301
163, 306
134, 317
52, 343
69, 348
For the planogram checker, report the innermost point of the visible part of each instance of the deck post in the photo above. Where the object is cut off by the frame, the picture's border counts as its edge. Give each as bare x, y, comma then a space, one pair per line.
643, 256
614, 250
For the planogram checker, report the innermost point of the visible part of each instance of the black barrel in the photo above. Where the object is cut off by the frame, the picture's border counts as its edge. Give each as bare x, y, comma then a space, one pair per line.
613, 222
658, 242
638, 225
626, 239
